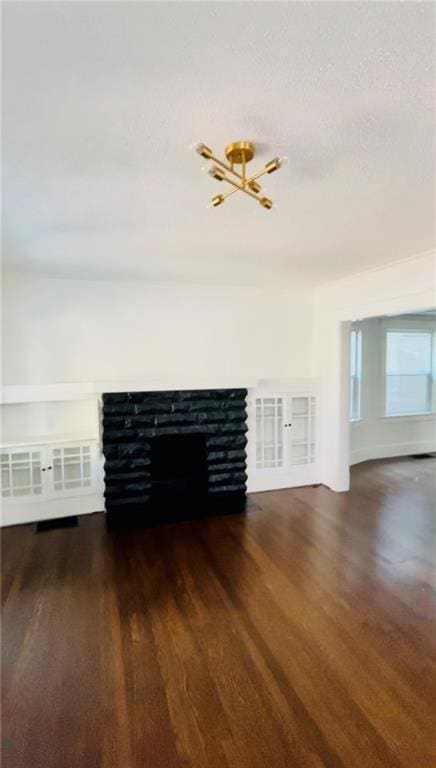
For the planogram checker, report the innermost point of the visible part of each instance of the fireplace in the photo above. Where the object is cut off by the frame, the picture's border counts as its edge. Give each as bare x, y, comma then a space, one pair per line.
174, 455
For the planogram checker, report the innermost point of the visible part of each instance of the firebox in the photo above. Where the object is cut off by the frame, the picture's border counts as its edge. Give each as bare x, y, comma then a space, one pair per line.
178, 471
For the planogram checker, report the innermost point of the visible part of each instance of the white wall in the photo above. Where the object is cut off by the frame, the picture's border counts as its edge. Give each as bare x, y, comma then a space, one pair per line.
43, 421
406, 286
102, 333
82, 331
375, 435
73, 331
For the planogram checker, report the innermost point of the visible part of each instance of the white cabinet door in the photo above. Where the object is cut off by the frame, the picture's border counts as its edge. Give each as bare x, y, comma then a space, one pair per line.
72, 468
282, 435
302, 429
23, 472
271, 444
48, 471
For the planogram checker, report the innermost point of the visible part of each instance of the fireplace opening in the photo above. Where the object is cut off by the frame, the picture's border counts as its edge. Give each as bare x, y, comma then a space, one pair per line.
179, 474
173, 455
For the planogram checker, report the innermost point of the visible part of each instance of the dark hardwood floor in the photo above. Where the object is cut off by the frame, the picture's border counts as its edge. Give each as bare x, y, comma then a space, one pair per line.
301, 634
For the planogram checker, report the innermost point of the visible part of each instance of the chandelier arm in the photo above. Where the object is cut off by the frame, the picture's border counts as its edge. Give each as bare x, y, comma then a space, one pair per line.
235, 173
256, 176
238, 186
230, 192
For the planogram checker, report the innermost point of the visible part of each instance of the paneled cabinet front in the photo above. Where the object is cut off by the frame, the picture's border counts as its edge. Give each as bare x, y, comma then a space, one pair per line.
282, 437
47, 471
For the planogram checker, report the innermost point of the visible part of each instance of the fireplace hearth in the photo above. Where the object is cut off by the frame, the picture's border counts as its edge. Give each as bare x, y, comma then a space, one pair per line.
174, 455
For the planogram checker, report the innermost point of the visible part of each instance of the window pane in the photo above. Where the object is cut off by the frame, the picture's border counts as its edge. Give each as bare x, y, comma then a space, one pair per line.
353, 353
407, 394
355, 373
408, 352
355, 398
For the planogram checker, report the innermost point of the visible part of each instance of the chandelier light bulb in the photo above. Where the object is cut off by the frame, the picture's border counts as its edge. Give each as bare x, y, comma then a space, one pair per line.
212, 170
282, 161
266, 202
217, 200
202, 150
273, 165
254, 186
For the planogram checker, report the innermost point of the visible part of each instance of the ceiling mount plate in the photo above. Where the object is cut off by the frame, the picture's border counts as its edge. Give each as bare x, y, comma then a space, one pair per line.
240, 151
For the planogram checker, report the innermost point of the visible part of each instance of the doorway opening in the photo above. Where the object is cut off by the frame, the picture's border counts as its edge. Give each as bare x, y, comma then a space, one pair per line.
392, 391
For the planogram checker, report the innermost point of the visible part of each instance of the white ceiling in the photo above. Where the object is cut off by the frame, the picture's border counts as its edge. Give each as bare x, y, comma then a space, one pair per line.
101, 101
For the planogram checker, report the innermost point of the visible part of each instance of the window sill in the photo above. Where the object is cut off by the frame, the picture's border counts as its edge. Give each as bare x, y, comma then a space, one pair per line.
356, 421
407, 416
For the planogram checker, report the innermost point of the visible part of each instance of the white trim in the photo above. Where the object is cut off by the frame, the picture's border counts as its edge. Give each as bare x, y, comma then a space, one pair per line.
405, 416
408, 416
30, 393
53, 440
33, 511
260, 485
391, 451
41, 393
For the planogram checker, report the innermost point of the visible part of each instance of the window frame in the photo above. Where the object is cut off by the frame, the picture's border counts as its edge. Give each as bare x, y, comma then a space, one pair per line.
358, 377
430, 374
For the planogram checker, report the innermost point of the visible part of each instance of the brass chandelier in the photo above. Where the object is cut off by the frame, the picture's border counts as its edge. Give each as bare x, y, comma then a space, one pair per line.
239, 153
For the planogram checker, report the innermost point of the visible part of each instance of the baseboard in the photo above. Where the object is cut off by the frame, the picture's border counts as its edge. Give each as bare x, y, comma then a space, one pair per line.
279, 482
391, 451
17, 513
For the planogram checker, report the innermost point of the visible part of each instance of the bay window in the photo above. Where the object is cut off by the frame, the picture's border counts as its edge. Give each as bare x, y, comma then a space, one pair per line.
409, 372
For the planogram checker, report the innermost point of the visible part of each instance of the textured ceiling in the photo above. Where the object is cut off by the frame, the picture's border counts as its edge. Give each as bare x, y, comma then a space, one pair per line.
101, 101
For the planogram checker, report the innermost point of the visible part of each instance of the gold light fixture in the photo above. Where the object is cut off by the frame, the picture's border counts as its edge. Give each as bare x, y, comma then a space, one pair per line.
238, 153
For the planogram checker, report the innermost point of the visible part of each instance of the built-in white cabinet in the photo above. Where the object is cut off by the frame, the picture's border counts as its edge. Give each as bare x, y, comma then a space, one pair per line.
48, 471
40, 481
282, 439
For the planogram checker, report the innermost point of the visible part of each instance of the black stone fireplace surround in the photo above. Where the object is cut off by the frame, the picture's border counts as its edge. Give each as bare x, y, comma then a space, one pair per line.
197, 437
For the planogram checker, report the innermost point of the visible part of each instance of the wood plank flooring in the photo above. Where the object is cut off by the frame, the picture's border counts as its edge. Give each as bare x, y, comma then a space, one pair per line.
301, 635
